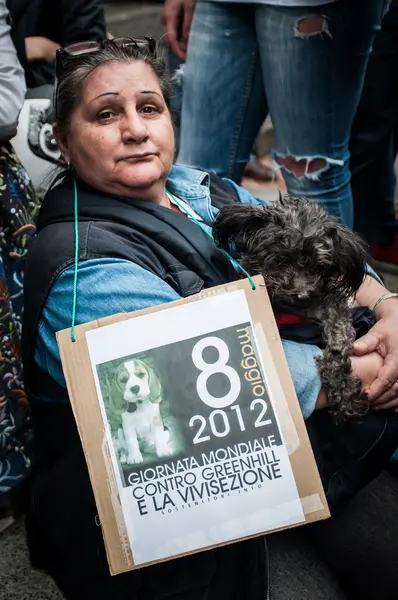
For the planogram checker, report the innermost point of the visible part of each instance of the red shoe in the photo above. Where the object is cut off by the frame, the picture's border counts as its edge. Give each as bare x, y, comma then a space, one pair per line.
386, 254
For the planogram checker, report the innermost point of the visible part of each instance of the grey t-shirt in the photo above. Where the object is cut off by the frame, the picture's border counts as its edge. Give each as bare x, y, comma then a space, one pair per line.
12, 79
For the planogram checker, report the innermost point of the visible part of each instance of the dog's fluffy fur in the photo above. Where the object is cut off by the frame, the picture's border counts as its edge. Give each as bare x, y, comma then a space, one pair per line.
312, 265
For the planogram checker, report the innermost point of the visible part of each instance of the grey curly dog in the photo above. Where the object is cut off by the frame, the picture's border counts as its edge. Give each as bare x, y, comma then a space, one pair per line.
312, 265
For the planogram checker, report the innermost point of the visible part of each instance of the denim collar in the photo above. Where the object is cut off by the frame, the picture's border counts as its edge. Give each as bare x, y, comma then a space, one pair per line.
193, 186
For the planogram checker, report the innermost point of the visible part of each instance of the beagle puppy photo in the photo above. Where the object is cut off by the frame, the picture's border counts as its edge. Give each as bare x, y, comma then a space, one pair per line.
142, 429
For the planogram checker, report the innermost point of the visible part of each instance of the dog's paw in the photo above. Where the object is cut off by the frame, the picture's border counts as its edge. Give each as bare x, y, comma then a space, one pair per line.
123, 458
134, 458
164, 450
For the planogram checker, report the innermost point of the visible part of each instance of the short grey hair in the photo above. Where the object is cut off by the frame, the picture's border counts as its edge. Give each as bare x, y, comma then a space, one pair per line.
75, 69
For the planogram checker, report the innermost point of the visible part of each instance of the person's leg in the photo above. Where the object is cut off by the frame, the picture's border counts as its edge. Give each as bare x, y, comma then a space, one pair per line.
65, 540
372, 139
360, 542
295, 570
313, 62
223, 103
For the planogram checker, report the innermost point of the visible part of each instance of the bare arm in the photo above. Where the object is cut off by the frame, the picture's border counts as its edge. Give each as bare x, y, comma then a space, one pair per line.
177, 18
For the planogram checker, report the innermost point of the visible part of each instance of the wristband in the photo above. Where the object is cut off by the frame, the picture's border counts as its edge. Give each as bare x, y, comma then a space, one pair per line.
384, 297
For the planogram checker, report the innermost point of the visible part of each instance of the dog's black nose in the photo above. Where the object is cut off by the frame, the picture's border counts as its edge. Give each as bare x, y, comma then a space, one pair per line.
135, 389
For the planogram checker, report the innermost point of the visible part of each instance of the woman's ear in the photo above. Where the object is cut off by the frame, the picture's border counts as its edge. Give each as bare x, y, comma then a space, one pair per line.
61, 143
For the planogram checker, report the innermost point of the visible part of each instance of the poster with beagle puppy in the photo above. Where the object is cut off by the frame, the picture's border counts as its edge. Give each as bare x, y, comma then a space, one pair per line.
190, 426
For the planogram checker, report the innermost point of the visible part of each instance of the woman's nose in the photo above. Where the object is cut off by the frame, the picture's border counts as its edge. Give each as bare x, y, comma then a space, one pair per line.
134, 128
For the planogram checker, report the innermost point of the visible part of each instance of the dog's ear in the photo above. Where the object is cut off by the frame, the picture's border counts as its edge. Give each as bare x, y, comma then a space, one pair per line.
155, 388
236, 224
117, 393
351, 256
113, 398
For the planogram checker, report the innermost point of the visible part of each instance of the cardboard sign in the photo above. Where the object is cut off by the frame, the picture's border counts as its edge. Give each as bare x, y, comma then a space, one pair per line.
190, 426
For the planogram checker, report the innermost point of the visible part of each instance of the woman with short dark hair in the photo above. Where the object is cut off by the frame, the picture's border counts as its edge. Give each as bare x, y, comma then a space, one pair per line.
138, 245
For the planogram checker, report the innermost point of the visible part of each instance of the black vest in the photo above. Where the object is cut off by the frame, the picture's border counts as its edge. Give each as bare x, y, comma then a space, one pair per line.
160, 240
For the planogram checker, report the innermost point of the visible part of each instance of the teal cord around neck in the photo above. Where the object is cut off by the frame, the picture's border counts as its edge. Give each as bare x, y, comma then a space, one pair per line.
76, 258
231, 258
76, 219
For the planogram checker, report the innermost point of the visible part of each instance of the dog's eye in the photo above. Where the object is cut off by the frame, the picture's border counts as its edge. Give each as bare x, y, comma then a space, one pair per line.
123, 378
141, 375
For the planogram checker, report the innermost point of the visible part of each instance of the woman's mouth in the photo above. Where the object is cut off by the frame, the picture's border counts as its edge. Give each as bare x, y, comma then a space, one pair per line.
139, 157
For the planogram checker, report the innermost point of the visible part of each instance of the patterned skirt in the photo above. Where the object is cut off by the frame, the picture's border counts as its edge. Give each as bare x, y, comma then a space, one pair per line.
18, 208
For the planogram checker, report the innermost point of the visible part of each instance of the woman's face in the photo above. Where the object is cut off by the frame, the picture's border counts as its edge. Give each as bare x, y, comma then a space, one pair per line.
121, 137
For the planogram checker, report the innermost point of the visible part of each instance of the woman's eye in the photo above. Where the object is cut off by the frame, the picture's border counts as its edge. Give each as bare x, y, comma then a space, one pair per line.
148, 110
105, 115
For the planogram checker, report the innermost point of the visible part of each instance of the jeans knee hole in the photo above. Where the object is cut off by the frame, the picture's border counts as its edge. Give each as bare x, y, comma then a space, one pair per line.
312, 25
302, 167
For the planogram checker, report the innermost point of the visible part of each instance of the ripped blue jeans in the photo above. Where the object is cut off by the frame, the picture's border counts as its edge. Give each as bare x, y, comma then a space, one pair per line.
305, 66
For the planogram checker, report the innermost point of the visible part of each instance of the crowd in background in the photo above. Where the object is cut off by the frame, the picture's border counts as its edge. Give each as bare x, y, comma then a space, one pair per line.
331, 99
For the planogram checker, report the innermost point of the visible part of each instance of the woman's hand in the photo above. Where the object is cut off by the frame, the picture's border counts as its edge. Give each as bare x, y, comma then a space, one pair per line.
383, 338
40, 48
366, 368
322, 401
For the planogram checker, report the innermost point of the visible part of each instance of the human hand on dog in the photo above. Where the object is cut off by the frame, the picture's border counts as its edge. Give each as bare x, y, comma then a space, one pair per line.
366, 368
383, 339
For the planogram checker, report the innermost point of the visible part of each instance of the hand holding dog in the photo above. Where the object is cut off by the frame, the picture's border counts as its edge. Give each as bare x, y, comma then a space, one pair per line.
383, 338
365, 367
